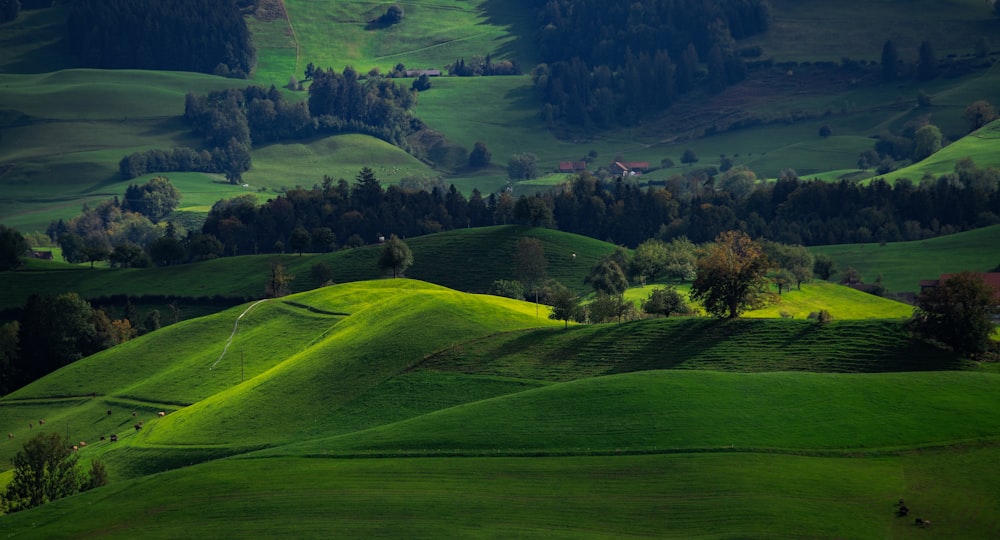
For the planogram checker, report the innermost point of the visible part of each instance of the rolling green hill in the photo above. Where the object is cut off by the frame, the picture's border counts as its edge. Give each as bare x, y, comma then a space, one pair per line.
404, 378
65, 129
464, 259
405, 408
903, 265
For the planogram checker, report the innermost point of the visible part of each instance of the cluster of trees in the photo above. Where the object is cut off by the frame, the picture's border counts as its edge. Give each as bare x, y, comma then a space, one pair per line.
698, 206
340, 214
13, 246
479, 66
730, 275
232, 121
957, 314
703, 203
608, 63
177, 35
918, 139
45, 469
125, 231
55, 330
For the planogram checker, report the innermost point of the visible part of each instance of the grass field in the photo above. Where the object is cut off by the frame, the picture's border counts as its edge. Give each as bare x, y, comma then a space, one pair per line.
65, 129
903, 264
403, 408
403, 377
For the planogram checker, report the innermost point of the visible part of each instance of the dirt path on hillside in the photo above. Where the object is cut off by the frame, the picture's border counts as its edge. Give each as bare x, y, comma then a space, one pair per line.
236, 327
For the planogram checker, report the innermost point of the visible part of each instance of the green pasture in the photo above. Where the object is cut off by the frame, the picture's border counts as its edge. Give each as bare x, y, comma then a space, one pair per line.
811, 30
672, 410
64, 133
688, 343
464, 259
740, 437
842, 302
980, 146
903, 265
305, 163
340, 341
431, 35
33, 42
661, 496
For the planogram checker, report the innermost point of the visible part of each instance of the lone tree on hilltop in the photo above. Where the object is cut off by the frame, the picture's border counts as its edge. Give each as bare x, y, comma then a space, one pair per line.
732, 276
45, 470
395, 255
956, 313
530, 262
279, 281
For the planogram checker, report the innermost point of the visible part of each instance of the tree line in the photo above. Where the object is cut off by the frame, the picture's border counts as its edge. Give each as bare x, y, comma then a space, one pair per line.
697, 205
608, 63
232, 121
176, 35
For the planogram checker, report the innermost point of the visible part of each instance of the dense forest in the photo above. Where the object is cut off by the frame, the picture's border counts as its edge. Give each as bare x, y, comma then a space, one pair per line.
607, 63
176, 35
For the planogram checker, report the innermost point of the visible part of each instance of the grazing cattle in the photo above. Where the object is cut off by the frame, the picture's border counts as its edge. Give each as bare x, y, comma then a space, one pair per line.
74, 448
114, 438
10, 435
102, 437
922, 522
83, 443
109, 412
903, 510
133, 414
138, 426
161, 414
41, 422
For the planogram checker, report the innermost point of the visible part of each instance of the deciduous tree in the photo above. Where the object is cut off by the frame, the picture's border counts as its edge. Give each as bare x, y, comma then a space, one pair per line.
565, 303
664, 301
279, 281
12, 248
396, 255
731, 276
956, 313
979, 113
608, 277
531, 263
480, 155
44, 470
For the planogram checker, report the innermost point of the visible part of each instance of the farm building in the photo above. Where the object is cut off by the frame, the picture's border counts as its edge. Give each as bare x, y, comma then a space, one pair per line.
629, 168
572, 166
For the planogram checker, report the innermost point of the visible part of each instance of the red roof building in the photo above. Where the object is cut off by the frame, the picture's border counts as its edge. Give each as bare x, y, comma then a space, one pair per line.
572, 166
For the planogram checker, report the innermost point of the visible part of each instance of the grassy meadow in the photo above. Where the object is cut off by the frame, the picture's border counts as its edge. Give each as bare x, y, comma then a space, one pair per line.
66, 128
903, 265
421, 408
400, 408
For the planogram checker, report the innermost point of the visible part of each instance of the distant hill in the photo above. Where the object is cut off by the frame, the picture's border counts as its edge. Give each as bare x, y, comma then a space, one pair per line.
60, 133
